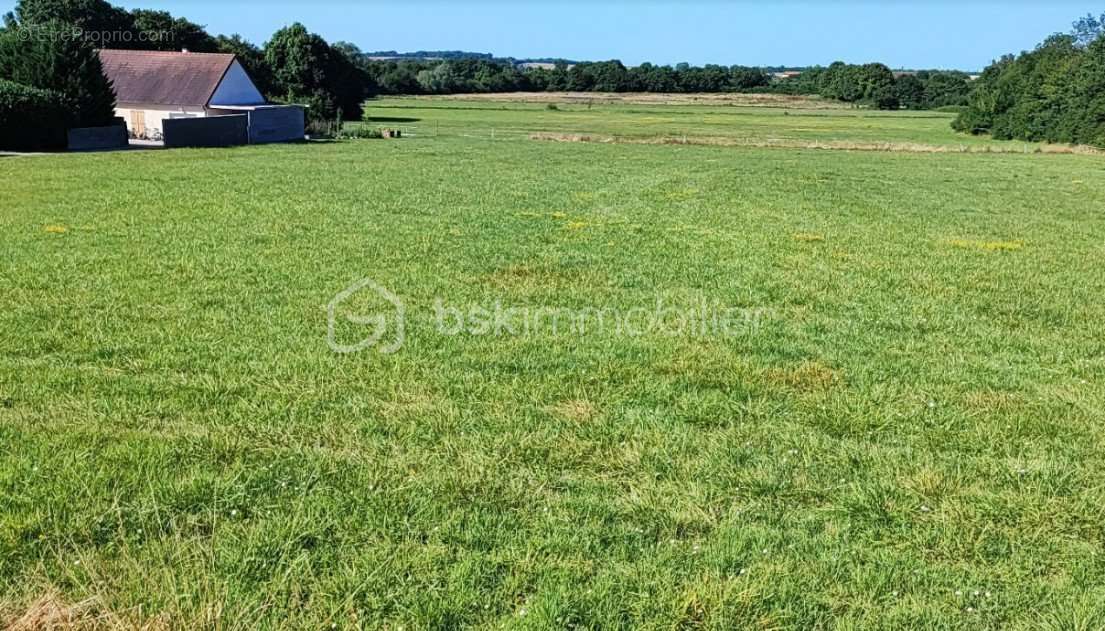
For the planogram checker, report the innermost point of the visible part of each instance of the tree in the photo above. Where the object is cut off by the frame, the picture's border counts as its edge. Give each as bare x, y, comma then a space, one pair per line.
742, 78
911, 92
32, 119
349, 82
842, 82
1053, 93
988, 98
650, 78
877, 86
1088, 29
943, 88
439, 80
158, 30
97, 17
350, 50
609, 76
307, 69
396, 78
67, 66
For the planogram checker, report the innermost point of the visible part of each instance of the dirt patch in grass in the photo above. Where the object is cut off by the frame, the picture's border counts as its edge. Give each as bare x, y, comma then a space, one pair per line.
830, 145
52, 612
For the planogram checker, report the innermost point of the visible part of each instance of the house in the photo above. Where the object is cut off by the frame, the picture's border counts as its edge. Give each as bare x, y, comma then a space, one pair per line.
152, 87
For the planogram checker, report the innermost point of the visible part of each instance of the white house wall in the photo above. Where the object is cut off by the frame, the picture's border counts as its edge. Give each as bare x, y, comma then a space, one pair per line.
236, 88
153, 116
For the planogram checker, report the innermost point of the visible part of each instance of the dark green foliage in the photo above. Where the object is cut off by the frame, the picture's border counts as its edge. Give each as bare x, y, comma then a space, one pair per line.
63, 65
650, 78
32, 119
944, 88
93, 16
1055, 93
396, 78
875, 85
1088, 29
809, 82
106, 26
307, 70
158, 30
870, 84
745, 78
477, 75
911, 92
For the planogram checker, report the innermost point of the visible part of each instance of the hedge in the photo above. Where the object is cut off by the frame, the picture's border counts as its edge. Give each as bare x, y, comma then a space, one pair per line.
32, 119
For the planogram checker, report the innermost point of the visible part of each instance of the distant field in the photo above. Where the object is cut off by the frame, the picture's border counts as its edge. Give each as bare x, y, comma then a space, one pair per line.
904, 427
797, 124
648, 98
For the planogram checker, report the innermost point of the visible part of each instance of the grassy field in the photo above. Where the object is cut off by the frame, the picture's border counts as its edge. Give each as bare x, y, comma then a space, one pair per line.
806, 123
905, 427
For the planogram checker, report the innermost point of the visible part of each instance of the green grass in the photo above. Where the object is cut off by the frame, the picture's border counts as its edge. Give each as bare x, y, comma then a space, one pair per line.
914, 416
481, 119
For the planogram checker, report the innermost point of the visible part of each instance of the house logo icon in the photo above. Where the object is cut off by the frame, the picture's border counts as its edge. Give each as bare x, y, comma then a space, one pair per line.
387, 329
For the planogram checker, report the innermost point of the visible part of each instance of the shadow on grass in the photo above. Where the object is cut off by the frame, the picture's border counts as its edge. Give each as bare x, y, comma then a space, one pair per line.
392, 119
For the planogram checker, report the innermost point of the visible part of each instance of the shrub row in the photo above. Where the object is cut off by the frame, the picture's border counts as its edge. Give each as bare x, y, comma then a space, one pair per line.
32, 119
1055, 93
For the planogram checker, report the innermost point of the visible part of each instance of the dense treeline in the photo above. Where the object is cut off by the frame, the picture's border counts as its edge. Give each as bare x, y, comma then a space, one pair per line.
877, 86
1055, 93
872, 84
432, 55
480, 75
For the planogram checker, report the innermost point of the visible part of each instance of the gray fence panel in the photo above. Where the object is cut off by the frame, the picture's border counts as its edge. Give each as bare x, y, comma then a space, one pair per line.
277, 124
214, 131
98, 138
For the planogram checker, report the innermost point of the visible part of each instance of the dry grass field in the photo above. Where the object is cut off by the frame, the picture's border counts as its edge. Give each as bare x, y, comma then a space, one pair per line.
648, 98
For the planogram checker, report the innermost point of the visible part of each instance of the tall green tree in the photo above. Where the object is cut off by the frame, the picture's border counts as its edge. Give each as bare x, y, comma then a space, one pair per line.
96, 16
1088, 29
158, 30
68, 66
1053, 93
306, 69
911, 92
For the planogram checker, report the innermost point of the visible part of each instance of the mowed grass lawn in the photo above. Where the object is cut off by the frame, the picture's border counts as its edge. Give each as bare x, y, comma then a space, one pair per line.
906, 430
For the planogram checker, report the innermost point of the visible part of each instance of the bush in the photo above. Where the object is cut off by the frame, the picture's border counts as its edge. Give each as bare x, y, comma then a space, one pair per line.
63, 65
1055, 93
32, 119
360, 132
325, 128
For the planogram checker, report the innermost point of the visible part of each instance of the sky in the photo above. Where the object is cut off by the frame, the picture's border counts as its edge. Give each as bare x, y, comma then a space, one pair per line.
963, 35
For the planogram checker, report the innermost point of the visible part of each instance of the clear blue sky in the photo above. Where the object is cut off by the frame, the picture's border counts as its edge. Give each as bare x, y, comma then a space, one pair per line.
916, 34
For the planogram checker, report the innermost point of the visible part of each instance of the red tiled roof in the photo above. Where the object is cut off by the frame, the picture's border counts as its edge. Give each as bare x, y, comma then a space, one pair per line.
164, 78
